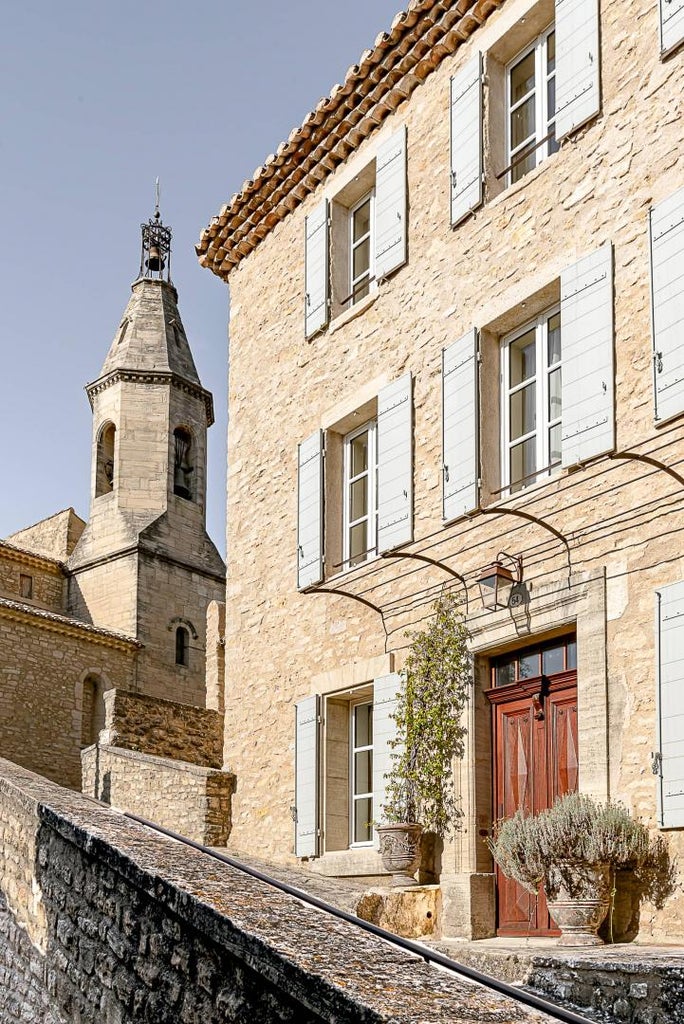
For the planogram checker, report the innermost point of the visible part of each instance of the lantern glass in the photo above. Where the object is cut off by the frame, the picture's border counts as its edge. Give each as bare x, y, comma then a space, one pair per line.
495, 586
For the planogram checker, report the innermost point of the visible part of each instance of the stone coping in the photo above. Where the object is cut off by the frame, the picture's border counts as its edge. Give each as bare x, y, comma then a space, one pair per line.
64, 624
326, 964
26, 557
168, 763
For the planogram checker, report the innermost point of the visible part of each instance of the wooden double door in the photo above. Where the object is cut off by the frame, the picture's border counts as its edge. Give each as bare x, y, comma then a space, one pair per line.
535, 761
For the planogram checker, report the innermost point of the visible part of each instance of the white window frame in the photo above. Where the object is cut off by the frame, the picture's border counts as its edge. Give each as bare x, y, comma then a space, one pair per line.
371, 512
542, 121
354, 796
543, 421
354, 282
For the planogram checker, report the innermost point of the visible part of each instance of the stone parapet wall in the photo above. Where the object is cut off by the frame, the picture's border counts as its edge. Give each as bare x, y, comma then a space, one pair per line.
137, 927
186, 798
164, 728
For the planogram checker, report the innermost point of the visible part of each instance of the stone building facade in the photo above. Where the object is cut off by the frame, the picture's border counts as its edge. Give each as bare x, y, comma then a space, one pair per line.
456, 309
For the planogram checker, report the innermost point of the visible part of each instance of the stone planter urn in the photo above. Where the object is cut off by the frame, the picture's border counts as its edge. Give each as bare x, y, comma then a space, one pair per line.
579, 918
400, 851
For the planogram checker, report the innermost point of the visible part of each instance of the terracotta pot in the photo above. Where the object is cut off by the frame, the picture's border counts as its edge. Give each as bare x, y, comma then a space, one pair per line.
579, 918
400, 850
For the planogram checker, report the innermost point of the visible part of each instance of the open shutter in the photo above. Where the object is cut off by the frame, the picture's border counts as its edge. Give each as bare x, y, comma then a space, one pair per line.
385, 690
395, 464
316, 270
466, 139
588, 427
459, 427
310, 511
390, 204
667, 298
670, 669
671, 24
306, 776
578, 57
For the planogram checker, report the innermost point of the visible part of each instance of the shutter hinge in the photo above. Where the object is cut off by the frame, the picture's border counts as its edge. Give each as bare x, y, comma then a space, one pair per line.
657, 763
293, 813
658, 360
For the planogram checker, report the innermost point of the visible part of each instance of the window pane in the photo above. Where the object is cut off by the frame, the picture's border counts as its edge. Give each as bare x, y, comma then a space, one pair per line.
522, 122
554, 331
358, 503
552, 660
555, 396
522, 78
522, 167
523, 358
505, 672
555, 444
359, 454
551, 52
363, 815
358, 543
523, 411
552, 144
361, 225
361, 258
572, 654
529, 666
361, 289
550, 102
363, 728
363, 771
523, 462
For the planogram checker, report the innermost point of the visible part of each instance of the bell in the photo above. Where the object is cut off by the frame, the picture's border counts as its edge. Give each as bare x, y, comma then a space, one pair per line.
154, 261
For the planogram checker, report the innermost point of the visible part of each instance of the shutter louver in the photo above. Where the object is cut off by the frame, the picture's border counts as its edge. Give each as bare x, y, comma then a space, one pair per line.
588, 424
390, 205
310, 511
466, 139
671, 24
395, 464
578, 58
670, 671
459, 427
667, 298
316, 270
385, 690
306, 776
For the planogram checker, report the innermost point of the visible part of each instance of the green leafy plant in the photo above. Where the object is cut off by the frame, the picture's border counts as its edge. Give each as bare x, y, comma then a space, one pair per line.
429, 723
558, 848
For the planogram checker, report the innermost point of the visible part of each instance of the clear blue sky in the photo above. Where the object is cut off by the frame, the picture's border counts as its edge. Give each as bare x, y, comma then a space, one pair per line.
96, 100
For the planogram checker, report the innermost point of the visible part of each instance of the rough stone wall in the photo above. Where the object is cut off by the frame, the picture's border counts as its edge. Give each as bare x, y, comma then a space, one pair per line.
48, 582
164, 728
183, 797
55, 537
135, 927
622, 519
216, 655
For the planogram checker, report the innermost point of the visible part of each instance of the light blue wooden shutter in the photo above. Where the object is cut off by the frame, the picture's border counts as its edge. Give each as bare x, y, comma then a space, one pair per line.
395, 464
466, 139
307, 713
385, 690
316, 270
588, 426
671, 24
459, 427
667, 298
578, 58
310, 511
390, 204
670, 649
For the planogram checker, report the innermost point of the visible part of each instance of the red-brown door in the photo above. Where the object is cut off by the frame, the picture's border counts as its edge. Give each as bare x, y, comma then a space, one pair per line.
535, 760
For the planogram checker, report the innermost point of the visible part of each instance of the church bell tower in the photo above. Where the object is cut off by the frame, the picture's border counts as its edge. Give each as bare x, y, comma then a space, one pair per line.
145, 564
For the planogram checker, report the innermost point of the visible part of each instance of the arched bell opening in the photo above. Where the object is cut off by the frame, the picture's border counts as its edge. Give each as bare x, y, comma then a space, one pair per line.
104, 473
183, 469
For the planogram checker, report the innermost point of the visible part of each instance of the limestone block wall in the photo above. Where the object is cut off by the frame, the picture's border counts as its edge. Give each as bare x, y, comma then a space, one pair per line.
47, 580
163, 728
187, 798
131, 926
105, 594
55, 537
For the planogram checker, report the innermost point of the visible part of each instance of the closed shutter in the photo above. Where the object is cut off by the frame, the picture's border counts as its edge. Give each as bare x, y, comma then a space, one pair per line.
385, 690
466, 139
588, 427
310, 511
316, 270
670, 669
390, 205
395, 464
459, 427
671, 24
667, 298
306, 776
578, 57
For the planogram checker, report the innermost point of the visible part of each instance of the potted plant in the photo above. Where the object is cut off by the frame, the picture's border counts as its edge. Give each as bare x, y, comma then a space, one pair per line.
574, 850
429, 735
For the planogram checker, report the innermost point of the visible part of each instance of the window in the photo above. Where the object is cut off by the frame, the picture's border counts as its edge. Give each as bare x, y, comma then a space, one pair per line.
532, 401
182, 467
26, 585
182, 646
104, 473
548, 659
531, 105
361, 773
360, 489
361, 245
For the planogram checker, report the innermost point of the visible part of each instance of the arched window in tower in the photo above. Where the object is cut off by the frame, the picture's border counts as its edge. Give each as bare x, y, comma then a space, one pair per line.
104, 474
182, 646
182, 467
92, 709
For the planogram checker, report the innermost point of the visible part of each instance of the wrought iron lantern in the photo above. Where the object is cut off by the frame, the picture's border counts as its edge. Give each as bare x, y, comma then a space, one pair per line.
497, 583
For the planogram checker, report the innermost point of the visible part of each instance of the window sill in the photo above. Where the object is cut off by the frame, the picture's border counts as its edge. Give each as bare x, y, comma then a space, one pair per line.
356, 862
527, 179
521, 496
351, 314
343, 574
